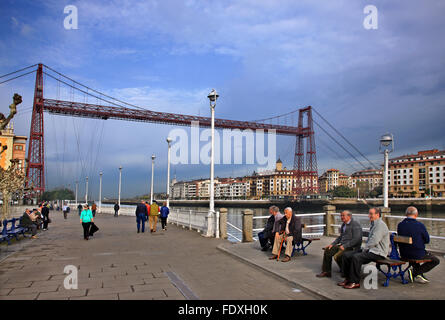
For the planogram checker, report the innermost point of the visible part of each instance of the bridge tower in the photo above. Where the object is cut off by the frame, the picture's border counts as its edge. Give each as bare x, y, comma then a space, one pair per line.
305, 170
35, 169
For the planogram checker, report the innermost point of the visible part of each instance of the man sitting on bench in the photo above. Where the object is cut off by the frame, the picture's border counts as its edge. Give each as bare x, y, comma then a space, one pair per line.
410, 227
290, 231
268, 234
350, 239
376, 248
28, 221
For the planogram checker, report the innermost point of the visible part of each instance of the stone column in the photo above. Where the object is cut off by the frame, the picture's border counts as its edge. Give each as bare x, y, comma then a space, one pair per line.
223, 223
247, 225
329, 220
386, 212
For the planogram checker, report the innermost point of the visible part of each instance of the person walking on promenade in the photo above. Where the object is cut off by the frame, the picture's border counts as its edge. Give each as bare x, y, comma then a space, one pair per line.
65, 209
116, 210
289, 230
350, 238
93, 209
410, 227
86, 217
79, 208
164, 215
376, 248
45, 214
141, 215
153, 218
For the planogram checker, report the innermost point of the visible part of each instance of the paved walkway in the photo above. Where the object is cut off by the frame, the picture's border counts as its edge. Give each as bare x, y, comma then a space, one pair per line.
121, 264
301, 271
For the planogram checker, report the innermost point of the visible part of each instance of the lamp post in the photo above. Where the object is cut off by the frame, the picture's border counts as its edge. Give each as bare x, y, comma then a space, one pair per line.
120, 181
386, 146
100, 191
152, 176
213, 95
77, 183
86, 191
169, 141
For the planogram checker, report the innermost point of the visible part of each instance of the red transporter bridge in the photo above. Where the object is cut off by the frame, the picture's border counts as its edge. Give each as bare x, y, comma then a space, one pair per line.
306, 167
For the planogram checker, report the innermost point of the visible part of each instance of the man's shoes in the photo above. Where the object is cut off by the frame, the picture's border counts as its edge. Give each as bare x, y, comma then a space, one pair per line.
286, 259
274, 257
138, 231
151, 230
421, 279
343, 283
323, 275
352, 285
410, 275
265, 248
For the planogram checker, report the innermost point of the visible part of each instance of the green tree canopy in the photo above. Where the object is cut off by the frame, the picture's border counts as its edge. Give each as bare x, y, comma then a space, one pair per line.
343, 192
58, 194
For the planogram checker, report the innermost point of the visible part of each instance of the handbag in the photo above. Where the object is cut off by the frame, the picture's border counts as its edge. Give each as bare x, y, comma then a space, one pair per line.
93, 228
49, 220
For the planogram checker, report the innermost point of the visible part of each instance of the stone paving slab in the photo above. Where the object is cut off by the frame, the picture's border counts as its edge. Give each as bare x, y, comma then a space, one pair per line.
301, 271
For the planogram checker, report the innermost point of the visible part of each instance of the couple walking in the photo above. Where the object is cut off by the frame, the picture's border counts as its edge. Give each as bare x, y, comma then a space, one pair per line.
145, 211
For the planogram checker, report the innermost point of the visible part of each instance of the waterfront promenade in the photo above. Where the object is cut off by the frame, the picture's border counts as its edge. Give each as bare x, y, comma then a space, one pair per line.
177, 264
120, 264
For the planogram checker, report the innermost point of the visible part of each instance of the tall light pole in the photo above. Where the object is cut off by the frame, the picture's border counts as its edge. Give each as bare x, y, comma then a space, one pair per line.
86, 191
77, 184
100, 191
213, 95
386, 146
169, 141
120, 181
153, 157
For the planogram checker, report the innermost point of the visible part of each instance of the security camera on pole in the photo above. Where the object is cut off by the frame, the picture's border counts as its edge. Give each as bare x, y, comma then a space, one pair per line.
213, 95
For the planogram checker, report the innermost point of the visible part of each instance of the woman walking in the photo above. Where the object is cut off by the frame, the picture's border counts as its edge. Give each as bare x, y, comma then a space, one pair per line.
86, 217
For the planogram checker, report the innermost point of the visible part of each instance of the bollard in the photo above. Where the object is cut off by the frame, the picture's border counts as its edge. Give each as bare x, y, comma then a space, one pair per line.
329, 220
223, 223
247, 225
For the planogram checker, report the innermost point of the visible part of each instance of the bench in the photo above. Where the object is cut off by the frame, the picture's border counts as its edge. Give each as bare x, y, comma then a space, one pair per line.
394, 263
302, 246
4, 236
16, 230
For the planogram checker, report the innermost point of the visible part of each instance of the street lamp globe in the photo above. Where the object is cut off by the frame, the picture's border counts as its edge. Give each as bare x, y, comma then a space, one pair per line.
213, 95
387, 142
153, 157
169, 140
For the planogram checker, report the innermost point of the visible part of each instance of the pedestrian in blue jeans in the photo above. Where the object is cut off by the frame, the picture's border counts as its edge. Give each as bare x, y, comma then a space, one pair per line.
141, 215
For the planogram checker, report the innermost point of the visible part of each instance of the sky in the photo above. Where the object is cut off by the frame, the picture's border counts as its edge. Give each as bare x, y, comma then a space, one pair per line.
265, 58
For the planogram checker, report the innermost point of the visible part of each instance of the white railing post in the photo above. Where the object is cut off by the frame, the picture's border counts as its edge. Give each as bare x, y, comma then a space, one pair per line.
190, 219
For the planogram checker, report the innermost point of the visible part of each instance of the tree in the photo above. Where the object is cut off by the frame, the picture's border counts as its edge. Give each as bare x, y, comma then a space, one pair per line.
343, 192
12, 181
58, 194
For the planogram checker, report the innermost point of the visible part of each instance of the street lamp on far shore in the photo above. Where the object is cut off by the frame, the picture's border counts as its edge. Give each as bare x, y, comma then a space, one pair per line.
386, 146
153, 157
120, 182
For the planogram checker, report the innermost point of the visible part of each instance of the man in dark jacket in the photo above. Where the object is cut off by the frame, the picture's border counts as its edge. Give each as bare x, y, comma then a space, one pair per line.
350, 238
45, 214
410, 227
28, 221
116, 209
141, 215
267, 235
290, 231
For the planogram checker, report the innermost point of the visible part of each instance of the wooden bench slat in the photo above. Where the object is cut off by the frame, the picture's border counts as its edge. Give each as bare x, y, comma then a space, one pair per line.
403, 239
